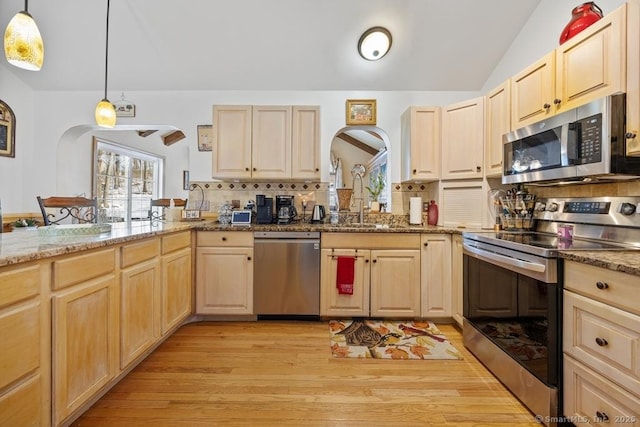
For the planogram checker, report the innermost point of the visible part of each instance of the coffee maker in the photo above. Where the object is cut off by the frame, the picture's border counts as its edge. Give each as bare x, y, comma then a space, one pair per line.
285, 210
264, 209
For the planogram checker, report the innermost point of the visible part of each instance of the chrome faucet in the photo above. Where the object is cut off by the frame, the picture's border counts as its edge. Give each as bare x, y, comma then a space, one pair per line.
358, 176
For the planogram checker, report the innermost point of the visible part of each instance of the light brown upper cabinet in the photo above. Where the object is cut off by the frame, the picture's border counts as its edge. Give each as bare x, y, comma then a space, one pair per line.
420, 138
559, 81
498, 122
633, 77
463, 139
256, 142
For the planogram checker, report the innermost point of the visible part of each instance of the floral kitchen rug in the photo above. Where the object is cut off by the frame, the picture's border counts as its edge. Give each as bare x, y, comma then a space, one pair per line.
385, 339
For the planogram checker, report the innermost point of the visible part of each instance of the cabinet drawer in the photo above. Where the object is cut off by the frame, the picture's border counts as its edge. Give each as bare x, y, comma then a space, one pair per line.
134, 253
77, 269
608, 286
176, 241
604, 338
371, 240
20, 332
225, 238
19, 283
22, 406
590, 399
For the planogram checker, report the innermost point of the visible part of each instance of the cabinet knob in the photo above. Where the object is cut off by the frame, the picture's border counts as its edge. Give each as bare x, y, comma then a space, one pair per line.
602, 285
366, 261
248, 258
602, 416
375, 260
224, 239
546, 106
478, 168
246, 169
601, 342
254, 169
317, 170
630, 135
426, 244
415, 171
557, 101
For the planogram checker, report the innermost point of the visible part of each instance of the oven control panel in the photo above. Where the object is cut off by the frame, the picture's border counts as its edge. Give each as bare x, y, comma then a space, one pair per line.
619, 211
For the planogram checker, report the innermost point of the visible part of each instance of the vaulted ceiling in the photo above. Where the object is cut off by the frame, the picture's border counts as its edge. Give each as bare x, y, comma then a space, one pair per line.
269, 44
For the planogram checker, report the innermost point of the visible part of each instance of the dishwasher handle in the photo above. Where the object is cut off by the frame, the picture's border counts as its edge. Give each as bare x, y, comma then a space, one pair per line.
286, 241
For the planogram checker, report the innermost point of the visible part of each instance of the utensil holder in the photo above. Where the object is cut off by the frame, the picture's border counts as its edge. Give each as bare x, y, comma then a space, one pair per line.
344, 198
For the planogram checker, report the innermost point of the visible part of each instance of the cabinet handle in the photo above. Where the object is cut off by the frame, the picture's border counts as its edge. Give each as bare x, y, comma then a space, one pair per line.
602, 285
557, 101
546, 106
248, 258
224, 239
602, 416
630, 135
601, 342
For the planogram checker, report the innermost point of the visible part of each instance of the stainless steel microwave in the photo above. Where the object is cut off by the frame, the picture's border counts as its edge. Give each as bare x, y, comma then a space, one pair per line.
585, 143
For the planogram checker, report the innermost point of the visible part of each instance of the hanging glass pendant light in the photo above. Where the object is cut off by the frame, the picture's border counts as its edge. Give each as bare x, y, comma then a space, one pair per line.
105, 111
23, 44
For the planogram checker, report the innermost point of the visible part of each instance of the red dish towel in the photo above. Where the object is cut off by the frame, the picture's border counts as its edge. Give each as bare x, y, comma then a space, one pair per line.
344, 279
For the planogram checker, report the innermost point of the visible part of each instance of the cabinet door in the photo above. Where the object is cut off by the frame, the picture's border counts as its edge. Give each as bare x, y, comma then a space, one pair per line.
436, 275
140, 310
271, 142
420, 137
463, 140
633, 77
533, 92
85, 321
456, 278
395, 283
224, 280
305, 143
231, 141
331, 302
498, 102
600, 49
176, 288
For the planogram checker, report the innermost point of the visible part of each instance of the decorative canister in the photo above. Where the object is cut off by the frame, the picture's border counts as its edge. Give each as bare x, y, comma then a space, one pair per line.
581, 17
344, 198
432, 213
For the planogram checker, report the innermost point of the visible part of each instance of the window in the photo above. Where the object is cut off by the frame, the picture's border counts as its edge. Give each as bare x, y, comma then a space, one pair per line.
125, 181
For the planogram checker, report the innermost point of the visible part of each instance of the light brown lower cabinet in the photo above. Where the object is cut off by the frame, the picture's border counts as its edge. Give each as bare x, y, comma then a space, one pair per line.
24, 360
85, 342
177, 288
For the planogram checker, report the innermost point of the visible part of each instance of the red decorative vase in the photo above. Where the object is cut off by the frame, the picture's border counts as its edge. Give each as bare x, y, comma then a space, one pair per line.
581, 17
432, 213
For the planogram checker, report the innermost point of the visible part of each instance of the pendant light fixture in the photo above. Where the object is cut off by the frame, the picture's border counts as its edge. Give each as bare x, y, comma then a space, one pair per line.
23, 45
105, 111
374, 43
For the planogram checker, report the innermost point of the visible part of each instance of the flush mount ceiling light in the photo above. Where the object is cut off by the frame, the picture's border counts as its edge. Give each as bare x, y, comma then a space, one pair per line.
105, 111
23, 45
374, 43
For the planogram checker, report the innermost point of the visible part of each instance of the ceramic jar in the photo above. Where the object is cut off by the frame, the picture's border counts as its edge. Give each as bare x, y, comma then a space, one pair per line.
581, 17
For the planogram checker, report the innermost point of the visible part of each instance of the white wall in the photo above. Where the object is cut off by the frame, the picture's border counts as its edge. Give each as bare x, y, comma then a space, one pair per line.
539, 36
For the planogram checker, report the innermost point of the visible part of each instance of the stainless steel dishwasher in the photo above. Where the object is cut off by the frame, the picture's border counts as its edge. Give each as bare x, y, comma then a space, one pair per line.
286, 273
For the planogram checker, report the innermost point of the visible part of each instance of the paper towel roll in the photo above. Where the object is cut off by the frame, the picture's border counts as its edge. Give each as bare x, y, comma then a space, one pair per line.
415, 210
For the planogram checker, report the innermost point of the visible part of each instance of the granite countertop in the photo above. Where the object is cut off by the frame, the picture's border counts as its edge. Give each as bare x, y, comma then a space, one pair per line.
617, 260
24, 246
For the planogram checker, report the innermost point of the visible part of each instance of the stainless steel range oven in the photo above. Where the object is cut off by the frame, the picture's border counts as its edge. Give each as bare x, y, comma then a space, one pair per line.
512, 293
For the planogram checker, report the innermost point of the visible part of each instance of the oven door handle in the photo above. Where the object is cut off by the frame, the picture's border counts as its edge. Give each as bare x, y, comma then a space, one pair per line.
502, 259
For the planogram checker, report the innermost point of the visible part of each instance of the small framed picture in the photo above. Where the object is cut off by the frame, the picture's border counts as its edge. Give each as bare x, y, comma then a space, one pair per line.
7, 131
125, 108
361, 111
190, 214
205, 137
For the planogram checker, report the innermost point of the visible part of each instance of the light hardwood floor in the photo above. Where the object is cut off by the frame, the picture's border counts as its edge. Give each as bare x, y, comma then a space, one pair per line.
277, 373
